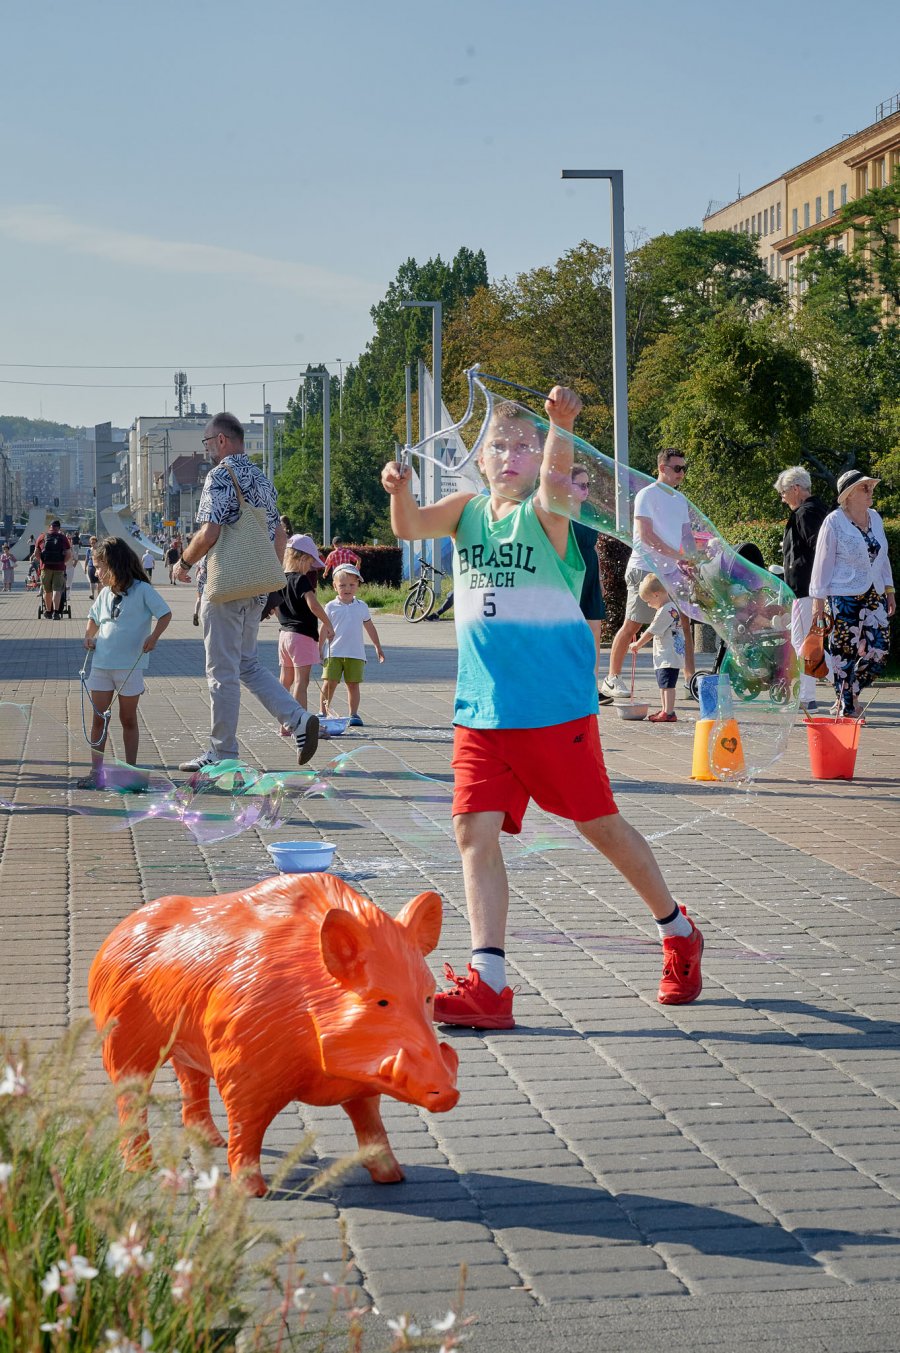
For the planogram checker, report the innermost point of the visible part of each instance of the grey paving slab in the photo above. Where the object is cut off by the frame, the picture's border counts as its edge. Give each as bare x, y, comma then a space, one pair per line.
617, 1174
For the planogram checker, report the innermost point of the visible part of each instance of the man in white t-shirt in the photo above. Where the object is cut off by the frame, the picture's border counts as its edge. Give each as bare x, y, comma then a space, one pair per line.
148, 560
662, 522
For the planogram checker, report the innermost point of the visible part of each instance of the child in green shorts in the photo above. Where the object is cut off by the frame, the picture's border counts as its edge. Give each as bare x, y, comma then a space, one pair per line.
352, 621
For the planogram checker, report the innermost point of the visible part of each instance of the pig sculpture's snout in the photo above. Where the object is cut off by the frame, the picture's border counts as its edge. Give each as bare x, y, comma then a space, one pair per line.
406, 1077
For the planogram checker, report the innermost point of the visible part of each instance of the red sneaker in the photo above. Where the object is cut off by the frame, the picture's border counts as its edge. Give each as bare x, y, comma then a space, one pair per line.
472, 1003
662, 717
681, 980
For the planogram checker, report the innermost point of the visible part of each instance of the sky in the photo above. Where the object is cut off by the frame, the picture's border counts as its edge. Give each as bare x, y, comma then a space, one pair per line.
226, 187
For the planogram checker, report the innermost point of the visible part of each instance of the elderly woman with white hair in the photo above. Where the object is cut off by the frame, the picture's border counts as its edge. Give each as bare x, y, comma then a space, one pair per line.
799, 547
853, 585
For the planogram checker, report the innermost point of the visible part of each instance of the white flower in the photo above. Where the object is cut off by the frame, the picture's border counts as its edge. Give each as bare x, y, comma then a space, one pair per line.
181, 1285
5, 1303
13, 1081
208, 1181
57, 1326
79, 1268
127, 1255
446, 1323
175, 1181
51, 1281
5, 1172
404, 1327
115, 1339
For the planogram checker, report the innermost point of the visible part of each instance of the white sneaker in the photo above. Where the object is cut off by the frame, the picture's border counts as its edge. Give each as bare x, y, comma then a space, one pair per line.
612, 688
197, 763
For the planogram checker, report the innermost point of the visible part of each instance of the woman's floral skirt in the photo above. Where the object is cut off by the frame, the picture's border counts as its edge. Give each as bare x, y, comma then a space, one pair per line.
857, 645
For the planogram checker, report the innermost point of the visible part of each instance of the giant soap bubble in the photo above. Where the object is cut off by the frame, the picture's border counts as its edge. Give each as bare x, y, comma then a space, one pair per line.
518, 452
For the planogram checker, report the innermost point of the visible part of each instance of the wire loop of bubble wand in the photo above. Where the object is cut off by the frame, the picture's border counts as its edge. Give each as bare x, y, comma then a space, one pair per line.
476, 378
417, 450
104, 714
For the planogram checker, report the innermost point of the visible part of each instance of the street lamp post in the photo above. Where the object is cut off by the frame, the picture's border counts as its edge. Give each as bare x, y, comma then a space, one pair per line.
325, 378
431, 482
620, 369
340, 363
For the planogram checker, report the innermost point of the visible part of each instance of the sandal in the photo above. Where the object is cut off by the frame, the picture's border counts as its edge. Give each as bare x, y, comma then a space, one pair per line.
91, 781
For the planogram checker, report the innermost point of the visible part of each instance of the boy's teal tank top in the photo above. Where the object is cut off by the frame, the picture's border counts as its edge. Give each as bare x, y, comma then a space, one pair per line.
526, 653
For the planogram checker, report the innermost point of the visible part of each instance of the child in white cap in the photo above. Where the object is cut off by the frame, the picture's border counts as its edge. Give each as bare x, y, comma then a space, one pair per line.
346, 658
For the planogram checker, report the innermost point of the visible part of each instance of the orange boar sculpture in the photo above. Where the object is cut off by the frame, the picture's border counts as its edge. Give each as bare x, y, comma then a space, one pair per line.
297, 989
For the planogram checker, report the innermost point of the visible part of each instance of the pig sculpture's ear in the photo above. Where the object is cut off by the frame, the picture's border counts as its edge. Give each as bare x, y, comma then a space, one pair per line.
344, 944
422, 918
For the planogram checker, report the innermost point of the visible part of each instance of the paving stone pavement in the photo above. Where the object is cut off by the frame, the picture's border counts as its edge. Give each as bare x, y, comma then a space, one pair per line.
617, 1174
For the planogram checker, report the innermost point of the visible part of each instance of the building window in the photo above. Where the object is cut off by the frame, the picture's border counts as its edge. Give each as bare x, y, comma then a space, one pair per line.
862, 180
766, 221
830, 201
778, 264
805, 215
818, 209
794, 226
779, 216
843, 194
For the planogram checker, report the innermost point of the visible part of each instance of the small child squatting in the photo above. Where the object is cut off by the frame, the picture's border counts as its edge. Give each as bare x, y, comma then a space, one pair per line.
516, 738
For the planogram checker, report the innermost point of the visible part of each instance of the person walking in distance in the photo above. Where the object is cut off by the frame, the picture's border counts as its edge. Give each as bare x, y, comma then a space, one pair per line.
53, 551
798, 548
517, 576
339, 554
173, 554
231, 628
8, 564
662, 522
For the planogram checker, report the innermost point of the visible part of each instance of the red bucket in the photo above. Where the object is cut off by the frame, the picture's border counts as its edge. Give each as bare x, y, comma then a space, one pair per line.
833, 744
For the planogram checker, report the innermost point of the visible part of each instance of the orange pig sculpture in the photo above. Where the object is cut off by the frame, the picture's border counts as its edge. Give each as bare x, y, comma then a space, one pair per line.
297, 989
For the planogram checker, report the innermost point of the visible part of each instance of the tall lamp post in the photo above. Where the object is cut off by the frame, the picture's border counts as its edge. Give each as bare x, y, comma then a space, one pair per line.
325, 378
620, 370
431, 483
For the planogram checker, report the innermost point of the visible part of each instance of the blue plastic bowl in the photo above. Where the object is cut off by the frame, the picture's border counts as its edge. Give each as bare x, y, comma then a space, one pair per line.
302, 857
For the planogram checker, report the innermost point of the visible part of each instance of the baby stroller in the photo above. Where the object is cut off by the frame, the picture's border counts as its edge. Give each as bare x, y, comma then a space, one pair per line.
65, 606
756, 655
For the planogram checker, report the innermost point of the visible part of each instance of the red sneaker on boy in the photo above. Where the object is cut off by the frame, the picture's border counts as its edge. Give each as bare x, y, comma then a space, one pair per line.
472, 1004
681, 981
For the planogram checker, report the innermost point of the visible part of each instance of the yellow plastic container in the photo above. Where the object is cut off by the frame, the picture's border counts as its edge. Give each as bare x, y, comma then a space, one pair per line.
703, 730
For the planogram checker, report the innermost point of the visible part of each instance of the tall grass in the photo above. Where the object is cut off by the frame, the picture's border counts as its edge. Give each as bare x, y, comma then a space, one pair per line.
94, 1257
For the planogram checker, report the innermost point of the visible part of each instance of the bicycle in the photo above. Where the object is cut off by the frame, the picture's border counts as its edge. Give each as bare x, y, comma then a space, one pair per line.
419, 600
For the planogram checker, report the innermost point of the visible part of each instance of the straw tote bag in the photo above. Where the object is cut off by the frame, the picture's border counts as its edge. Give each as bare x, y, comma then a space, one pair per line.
243, 562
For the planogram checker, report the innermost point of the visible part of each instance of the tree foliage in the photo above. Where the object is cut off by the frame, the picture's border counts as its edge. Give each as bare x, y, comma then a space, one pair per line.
720, 362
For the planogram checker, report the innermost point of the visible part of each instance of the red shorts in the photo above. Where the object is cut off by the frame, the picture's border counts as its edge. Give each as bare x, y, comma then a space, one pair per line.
498, 770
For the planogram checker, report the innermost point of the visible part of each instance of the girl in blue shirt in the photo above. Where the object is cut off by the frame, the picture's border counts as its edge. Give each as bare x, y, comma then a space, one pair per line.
121, 633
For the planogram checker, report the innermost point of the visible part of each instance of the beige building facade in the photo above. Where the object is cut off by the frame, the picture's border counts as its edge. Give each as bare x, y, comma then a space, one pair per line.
812, 194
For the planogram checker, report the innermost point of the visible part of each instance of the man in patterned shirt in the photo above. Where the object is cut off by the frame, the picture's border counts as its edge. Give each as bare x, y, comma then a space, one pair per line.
340, 554
230, 628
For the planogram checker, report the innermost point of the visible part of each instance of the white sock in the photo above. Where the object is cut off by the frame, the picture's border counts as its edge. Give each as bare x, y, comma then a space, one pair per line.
491, 968
678, 924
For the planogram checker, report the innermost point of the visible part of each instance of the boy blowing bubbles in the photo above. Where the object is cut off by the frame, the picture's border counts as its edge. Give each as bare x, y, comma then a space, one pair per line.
517, 575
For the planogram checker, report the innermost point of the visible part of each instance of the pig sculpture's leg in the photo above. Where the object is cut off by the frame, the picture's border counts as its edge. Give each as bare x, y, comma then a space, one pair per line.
365, 1115
249, 1115
195, 1102
127, 1057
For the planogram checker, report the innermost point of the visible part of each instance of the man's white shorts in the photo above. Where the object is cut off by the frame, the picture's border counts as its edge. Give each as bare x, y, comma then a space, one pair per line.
111, 678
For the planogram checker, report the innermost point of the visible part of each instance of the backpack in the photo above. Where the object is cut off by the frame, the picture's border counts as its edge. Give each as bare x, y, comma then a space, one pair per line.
53, 550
